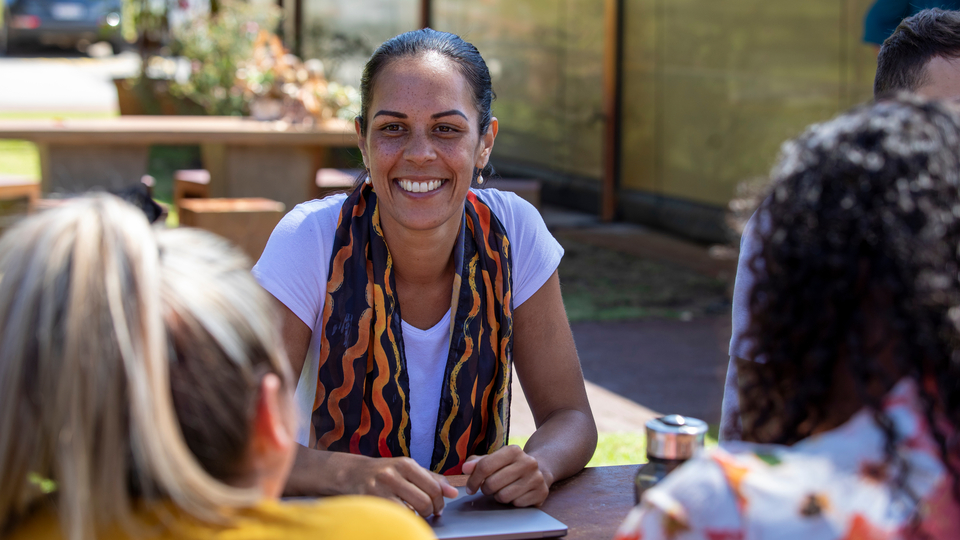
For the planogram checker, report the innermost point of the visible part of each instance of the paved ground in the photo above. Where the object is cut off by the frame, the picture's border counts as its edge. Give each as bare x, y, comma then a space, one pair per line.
636, 369
52, 80
639, 368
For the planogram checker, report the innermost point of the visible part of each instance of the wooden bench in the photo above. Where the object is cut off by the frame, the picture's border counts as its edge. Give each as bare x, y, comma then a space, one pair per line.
190, 184
247, 223
527, 189
18, 196
333, 181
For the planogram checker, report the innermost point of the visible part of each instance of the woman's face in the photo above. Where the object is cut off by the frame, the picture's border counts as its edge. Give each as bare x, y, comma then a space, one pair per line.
422, 142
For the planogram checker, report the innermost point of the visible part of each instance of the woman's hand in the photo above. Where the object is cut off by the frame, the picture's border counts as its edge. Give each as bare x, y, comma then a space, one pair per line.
319, 472
401, 479
510, 475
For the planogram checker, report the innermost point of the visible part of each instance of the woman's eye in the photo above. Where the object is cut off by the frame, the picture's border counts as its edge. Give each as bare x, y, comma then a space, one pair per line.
446, 129
391, 127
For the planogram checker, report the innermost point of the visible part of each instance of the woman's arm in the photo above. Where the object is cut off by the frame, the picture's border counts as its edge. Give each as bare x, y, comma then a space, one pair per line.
296, 338
318, 472
548, 367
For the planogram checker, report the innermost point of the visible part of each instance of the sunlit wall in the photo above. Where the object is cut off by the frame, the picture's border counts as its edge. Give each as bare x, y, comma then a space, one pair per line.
546, 62
345, 32
710, 89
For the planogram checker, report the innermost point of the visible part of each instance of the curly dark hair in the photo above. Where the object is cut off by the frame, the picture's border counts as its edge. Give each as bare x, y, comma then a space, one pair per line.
860, 258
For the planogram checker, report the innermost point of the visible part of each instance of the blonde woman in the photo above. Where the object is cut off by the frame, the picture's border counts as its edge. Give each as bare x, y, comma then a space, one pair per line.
144, 391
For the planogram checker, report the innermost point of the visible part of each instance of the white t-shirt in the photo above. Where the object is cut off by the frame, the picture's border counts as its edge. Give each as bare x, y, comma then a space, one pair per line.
294, 266
740, 346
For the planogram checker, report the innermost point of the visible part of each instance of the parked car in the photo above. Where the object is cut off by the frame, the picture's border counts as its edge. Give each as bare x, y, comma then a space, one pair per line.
65, 23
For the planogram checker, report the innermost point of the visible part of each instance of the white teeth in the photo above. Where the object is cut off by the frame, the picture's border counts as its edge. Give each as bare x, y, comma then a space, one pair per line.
420, 187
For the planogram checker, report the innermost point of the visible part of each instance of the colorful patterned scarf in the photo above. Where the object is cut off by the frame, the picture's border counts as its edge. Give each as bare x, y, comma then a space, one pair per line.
362, 404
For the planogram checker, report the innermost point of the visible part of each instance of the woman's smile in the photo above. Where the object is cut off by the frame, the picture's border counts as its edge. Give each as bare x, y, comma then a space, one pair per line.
419, 186
422, 146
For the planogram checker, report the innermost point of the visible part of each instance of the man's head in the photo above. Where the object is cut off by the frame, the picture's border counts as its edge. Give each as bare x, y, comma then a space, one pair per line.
922, 56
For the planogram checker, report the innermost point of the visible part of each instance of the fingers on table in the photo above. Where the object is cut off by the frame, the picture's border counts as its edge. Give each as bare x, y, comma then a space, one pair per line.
512, 476
414, 485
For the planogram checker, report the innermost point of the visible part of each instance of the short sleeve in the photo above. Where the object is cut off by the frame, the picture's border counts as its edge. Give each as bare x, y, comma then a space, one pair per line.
293, 266
535, 252
694, 502
743, 286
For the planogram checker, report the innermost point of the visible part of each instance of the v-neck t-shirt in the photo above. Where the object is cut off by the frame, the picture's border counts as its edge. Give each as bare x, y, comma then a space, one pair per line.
294, 265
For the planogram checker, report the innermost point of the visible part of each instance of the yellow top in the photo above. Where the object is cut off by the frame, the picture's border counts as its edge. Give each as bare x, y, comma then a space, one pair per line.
349, 517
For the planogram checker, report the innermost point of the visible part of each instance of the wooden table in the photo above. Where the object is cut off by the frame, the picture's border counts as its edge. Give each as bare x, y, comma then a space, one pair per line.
592, 503
245, 157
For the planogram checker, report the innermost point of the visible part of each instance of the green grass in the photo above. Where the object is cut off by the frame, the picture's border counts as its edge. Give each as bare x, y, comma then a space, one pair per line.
20, 158
622, 448
600, 284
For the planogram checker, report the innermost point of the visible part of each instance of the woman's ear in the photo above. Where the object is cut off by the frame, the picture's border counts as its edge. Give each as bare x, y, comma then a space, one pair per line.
361, 141
272, 445
486, 143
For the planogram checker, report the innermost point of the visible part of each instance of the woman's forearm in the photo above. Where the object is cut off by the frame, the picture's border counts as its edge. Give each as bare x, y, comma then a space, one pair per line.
319, 472
563, 444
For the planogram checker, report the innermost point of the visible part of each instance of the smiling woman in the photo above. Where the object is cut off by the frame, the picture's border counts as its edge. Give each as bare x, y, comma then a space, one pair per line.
395, 401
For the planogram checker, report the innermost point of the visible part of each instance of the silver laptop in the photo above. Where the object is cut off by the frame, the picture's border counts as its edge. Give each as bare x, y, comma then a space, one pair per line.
479, 516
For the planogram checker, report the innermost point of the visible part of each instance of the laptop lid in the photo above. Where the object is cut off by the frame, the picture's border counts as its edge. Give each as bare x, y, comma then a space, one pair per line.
479, 516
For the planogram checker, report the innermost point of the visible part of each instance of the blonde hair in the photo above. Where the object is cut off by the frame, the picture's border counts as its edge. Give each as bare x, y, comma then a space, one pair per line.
85, 395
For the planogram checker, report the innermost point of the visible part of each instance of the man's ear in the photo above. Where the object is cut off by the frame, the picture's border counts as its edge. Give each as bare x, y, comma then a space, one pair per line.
361, 141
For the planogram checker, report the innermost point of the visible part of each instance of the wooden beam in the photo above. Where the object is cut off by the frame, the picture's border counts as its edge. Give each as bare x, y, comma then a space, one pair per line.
612, 77
298, 28
426, 10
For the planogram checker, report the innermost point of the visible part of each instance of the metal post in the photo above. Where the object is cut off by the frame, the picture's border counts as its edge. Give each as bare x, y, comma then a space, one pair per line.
425, 13
612, 83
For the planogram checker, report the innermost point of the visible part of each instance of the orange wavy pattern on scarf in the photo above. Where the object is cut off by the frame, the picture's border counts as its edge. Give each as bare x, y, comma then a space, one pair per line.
362, 402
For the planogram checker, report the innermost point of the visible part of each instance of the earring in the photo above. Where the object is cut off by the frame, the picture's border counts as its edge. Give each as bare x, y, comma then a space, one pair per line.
479, 179
367, 180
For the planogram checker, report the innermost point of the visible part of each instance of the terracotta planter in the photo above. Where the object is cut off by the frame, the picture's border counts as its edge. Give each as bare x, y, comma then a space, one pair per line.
127, 99
137, 97
176, 106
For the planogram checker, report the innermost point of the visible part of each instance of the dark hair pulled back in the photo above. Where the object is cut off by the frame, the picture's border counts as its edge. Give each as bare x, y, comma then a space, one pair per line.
418, 43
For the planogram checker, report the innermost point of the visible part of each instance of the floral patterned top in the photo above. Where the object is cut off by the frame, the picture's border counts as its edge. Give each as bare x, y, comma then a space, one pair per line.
834, 485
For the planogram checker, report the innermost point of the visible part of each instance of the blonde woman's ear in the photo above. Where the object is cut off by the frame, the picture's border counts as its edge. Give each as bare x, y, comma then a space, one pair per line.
272, 445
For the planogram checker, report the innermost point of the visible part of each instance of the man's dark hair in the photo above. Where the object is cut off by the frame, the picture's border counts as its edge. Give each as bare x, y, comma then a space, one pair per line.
901, 65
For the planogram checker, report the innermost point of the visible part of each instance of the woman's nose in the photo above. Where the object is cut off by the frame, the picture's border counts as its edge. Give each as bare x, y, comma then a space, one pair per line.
419, 149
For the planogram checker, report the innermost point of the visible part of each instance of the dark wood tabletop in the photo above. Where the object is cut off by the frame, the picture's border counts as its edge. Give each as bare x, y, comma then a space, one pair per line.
591, 503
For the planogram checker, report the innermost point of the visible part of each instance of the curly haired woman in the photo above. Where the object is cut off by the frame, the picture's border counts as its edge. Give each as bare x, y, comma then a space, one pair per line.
850, 395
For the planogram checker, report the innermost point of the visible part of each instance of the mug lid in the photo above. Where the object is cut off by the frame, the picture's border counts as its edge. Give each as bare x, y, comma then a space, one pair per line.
675, 436
675, 423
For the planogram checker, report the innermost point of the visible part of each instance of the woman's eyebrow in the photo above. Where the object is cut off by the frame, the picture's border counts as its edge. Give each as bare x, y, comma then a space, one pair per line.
390, 113
451, 112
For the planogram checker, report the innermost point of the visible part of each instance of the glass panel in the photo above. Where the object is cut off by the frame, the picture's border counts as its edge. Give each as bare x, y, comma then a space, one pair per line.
345, 32
545, 57
711, 89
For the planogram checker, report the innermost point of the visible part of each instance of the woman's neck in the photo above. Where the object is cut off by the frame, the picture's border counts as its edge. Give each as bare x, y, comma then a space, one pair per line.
423, 270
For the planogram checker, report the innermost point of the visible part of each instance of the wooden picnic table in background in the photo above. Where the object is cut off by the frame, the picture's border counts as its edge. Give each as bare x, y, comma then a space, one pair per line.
592, 503
245, 157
